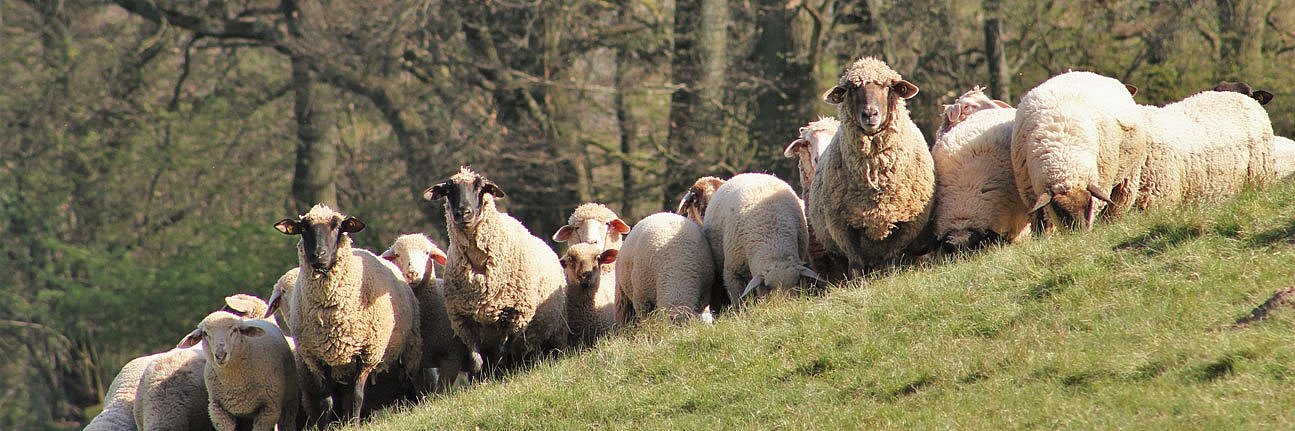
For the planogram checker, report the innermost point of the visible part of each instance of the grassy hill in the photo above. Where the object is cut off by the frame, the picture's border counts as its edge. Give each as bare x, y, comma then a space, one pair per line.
1127, 326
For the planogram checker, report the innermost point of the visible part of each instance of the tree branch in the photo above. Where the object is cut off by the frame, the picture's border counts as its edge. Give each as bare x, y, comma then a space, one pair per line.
204, 27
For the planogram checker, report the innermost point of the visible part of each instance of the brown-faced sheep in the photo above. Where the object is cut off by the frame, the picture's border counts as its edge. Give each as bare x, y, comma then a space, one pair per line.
694, 201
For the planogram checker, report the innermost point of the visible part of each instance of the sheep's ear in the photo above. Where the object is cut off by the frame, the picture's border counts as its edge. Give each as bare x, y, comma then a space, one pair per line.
619, 226
289, 226
1133, 91
608, 256
391, 256
1040, 202
437, 191
190, 340
688, 199
564, 233
795, 145
835, 96
493, 189
439, 257
1002, 104
1098, 193
272, 304
904, 89
252, 331
565, 261
1263, 97
237, 305
352, 225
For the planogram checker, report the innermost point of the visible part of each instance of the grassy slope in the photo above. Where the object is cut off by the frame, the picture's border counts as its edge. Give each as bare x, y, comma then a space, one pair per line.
1125, 326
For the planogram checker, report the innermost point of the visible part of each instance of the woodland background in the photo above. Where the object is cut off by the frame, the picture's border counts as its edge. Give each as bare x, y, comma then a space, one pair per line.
146, 146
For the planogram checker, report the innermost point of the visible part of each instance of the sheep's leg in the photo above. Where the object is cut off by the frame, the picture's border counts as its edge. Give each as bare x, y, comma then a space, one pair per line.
448, 371
221, 419
357, 392
266, 420
733, 286
314, 400
288, 417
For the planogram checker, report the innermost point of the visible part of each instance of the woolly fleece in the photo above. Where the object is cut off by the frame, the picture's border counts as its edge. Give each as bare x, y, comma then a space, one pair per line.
171, 393
258, 378
441, 348
591, 307
975, 191
755, 226
700, 193
665, 264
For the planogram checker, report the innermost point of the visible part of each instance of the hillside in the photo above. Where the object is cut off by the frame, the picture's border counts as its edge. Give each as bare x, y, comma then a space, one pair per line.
1127, 326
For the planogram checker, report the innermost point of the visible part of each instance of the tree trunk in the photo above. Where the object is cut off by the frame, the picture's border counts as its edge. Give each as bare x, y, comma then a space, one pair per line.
1000, 80
784, 97
699, 65
628, 128
313, 180
1241, 30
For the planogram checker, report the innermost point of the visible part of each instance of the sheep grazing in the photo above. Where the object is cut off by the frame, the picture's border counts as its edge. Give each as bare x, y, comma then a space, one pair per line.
1204, 147
171, 392
694, 201
351, 311
1077, 149
975, 191
1261, 96
809, 146
755, 226
504, 288
250, 373
414, 255
968, 103
665, 265
595, 224
872, 189
591, 291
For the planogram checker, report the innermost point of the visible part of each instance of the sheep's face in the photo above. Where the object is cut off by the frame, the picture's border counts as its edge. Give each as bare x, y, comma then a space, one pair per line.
694, 202
583, 262
592, 231
224, 337
465, 197
1075, 207
872, 104
415, 260
320, 236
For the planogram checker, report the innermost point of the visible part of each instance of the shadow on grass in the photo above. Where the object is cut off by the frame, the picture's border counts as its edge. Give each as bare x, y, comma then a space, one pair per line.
1161, 238
1050, 286
1285, 233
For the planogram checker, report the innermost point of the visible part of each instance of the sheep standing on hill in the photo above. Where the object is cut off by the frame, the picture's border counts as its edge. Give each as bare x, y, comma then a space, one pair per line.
755, 226
504, 288
975, 191
595, 224
119, 404
694, 201
171, 394
1077, 148
809, 146
352, 312
871, 196
1283, 148
1204, 147
591, 291
413, 255
250, 373
665, 265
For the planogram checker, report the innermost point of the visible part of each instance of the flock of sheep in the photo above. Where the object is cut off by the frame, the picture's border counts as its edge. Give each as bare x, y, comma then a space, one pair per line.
358, 331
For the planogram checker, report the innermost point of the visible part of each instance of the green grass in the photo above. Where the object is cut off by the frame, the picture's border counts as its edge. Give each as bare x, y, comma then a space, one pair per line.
1127, 326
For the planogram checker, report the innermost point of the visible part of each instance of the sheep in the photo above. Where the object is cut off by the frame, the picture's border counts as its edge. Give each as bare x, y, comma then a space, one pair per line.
1261, 96
694, 201
665, 264
755, 226
809, 146
351, 311
596, 224
504, 288
1283, 156
119, 404
282, 289
871, 196
968, 103
1204, 147
1077, 149
250, 373
171, 394
590, 290
976, 198
413, 255
249, 306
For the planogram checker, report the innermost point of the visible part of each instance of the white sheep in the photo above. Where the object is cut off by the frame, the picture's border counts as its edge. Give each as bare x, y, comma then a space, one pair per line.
1077, 149
1204, 147
968, 103
352, 312
171, 394
119, 404
975, 191
755, 225
694, 201
282, 289
871, 196
665, 264
414, 255
250, 372
504, 288
808, 147
593, 223
1283, 156
591, 291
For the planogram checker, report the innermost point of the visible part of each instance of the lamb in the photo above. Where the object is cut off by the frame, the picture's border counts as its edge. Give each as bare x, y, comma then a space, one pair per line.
171, 394
250, 373
119, 404
413, 255
693, 204
871, 196
504, 288
968, 103
1204, 147
1077, 149
809, 147
282, 289
755, 226
591, 291
976, 199
665, 264
596, 224
352, 312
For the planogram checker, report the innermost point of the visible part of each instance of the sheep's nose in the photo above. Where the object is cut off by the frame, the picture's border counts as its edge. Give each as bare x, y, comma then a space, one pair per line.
220, 355
871, 111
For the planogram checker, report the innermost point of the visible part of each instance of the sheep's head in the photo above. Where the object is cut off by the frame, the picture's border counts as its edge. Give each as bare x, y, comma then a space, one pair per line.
583, 262
466, 194
414, 254
245, 305
968, 103
321, 232
694, 202
813, 139
1261, 96
594, 224
969, 239
1074, 207
225, 337
868, 94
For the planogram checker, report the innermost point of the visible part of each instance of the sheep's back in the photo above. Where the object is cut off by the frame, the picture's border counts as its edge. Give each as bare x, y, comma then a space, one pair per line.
975, 186
665, 255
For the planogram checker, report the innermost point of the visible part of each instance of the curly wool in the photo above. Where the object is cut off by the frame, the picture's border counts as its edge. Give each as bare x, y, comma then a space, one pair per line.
171, 393
119, 403
755, 226
975, 191
1283, 156
665, 265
